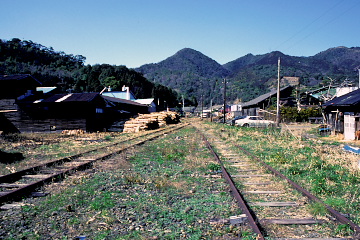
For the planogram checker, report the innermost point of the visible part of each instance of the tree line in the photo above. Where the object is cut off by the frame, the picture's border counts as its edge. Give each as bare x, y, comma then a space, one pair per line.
70, 74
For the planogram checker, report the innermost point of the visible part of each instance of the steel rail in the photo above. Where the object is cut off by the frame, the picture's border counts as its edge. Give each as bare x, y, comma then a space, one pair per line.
306, 193
17, 175
253, 222
20, 192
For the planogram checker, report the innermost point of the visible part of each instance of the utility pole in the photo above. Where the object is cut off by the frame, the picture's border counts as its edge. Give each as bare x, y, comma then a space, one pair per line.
278, 97
224, 100
211, 116
183, 105
202, 106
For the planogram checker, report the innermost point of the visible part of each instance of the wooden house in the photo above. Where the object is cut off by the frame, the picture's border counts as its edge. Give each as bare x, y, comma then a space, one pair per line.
254, 107
11, 87
87, 111
26, 106
343, 114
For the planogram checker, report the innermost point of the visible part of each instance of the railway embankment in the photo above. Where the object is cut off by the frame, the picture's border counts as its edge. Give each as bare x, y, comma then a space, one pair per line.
171, 187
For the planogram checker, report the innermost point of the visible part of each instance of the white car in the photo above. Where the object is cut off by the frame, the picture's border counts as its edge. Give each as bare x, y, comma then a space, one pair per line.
254, 121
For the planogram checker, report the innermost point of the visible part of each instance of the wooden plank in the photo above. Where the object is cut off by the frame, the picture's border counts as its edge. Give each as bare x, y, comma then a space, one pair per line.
6, 111
11, 185
240, 165
297, 221
38, 176
257, 183
250, 176
2, 193
263, 192
275, 204
11, 205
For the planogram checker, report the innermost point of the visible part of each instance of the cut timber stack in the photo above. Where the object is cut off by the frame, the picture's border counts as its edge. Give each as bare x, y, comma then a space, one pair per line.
150, 121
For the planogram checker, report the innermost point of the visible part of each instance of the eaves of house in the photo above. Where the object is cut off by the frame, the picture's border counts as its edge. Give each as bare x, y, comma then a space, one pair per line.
350, 99
262, 98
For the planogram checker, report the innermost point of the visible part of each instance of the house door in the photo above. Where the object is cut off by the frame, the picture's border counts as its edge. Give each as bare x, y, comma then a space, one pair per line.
349, 126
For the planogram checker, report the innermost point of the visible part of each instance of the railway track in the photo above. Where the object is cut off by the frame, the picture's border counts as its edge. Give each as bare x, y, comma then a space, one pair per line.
267, 197
24, 183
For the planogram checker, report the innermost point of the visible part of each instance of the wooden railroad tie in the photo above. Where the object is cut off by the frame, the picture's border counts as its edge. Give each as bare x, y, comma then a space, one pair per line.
297, 221
274, 204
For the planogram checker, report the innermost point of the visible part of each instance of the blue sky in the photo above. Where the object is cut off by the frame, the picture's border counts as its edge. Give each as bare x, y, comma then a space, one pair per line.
136, 32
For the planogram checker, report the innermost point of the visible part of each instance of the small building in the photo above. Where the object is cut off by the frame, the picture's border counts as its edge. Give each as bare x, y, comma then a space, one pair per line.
343, 114
27, 106
61, 111
253, 107
87, 111
290, 81
11, 87
126, 94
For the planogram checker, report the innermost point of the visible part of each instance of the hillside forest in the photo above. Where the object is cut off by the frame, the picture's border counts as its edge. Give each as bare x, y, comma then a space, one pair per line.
70, 74
194, 74
188, 73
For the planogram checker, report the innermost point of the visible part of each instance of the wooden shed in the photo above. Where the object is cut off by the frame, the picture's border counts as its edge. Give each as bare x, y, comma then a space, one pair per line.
252, 107
343, 114
11, 87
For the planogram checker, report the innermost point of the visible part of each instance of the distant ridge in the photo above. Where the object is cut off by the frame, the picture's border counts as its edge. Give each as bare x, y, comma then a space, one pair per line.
191, 73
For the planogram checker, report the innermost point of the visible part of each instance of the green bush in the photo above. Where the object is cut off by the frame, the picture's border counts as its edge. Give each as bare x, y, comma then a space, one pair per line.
291, 114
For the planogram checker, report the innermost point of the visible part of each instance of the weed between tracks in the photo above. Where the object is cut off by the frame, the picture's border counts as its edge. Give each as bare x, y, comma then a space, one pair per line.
37, 148
320, 165
161, 190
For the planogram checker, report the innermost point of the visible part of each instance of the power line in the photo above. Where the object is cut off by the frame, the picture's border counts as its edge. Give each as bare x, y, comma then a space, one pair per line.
327, 23
311, 23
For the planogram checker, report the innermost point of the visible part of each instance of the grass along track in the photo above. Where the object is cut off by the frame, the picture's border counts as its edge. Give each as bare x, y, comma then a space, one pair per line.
166, 189
26, 181
160, 190
322, 167
281, 212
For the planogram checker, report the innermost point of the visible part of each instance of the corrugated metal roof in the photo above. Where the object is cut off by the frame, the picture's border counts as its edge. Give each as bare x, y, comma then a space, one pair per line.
350, 99
17, 77
263, 97
119, 94
14, 77
118, 100
73, 97
146, 101
45, 89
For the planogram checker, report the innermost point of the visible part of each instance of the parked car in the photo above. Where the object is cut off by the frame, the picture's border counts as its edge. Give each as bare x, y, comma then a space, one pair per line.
254, 121
231, 122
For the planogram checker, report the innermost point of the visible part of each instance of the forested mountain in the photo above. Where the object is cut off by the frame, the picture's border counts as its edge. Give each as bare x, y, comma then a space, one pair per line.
193, 74
70, 74
189, 72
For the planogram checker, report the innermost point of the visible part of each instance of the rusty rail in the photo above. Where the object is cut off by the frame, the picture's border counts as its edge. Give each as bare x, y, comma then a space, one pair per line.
20, 192
306, 193
253, 222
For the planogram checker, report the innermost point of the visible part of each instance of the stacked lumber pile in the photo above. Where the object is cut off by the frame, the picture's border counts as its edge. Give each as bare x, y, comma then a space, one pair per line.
150, 121
73, 132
